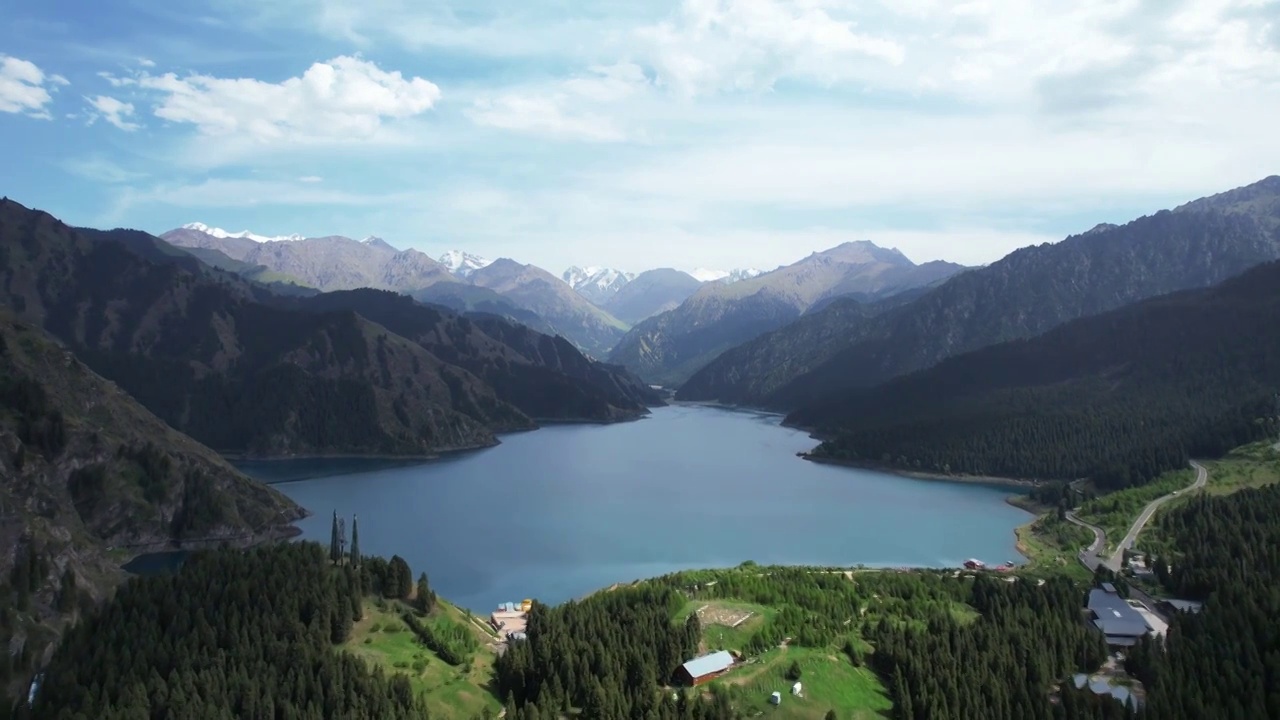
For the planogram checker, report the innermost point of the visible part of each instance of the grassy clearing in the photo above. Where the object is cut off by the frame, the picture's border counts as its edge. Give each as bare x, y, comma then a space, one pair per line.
829, 682
454, 693
1116, 511
1250, 466
717, 617
1053, 546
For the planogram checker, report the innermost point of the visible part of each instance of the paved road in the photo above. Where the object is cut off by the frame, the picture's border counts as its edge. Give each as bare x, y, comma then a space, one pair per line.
1202, 477
1089, 557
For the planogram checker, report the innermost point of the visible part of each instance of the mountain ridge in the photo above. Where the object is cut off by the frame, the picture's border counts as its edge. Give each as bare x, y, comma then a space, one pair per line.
670, 347
235, 366
1118, 397
1026, 293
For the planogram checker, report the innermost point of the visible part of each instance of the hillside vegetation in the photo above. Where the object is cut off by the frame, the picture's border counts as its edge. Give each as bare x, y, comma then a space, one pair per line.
86, 469
1119, 398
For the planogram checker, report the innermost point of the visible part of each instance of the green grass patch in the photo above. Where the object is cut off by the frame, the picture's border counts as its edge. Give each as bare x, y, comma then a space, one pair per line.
828, 679
1250, 466
453, 693
1052, 546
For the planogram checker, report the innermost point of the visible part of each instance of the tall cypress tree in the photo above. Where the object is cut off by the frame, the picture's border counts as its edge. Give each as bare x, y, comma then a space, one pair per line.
355, 543
335, 554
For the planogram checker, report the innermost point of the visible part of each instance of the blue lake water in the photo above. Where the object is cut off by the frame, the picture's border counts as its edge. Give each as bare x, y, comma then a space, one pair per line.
560, 512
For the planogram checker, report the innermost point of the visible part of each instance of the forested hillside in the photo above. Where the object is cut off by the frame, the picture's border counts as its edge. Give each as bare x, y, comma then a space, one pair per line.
232, 634
1222, 663
85, 468
1025, 294
545, 377
1119, 397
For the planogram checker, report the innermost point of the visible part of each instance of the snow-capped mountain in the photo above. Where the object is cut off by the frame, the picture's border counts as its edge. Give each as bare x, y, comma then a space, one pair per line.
596, 284
728, 276
220, 233
462, 263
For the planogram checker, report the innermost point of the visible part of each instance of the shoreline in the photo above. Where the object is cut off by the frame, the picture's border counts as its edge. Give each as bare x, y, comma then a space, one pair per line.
923, 475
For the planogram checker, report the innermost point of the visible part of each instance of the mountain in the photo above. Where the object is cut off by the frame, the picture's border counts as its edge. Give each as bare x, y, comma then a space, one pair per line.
240, 369
1118, 397
573, 316
325, 263
597, 284
670, 347
466, 298
87, 469
727, 276
1027, 293
545, 377
462, 263
649, 293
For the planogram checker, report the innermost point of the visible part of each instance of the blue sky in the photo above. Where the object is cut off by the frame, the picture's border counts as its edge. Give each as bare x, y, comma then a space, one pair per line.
688, 133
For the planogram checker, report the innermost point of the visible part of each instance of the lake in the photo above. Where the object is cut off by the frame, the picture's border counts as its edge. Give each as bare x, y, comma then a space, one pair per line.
568, 509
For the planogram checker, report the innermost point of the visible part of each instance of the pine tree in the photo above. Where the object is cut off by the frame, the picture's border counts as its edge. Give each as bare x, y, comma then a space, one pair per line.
335, 553
355, 543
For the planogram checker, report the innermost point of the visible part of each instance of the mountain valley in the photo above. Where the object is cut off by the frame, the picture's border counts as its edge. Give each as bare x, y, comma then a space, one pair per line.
670, 347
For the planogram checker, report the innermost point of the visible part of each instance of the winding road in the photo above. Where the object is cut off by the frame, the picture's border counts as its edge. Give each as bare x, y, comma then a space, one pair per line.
1090, 558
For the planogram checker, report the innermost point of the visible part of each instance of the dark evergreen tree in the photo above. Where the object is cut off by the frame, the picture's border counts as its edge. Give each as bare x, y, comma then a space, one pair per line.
335, 546
355, 543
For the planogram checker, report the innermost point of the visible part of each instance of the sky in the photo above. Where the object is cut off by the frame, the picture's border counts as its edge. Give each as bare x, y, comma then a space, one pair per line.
679, 133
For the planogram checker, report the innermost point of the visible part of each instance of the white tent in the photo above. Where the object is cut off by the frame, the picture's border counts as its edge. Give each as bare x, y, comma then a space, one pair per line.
776, 698
795, 689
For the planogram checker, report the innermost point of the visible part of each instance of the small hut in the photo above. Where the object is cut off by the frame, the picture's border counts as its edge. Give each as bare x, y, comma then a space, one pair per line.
795, 689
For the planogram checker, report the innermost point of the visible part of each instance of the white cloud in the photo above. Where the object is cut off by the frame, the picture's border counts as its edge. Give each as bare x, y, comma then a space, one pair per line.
743, 129
568, 108
25, 88
113, 111
310, 179
345, 99
146, 62
116, 81
750, 44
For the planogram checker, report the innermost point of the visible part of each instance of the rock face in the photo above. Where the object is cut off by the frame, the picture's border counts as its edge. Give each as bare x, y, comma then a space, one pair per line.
649, 293
670, 347
1029, 292
246, 371
86, 468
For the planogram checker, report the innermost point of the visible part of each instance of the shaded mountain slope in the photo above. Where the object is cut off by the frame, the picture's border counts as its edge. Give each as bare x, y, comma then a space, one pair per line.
87, 468
1118, 397
545, 377
670, 347
234, 373
465, 298
1028, 292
